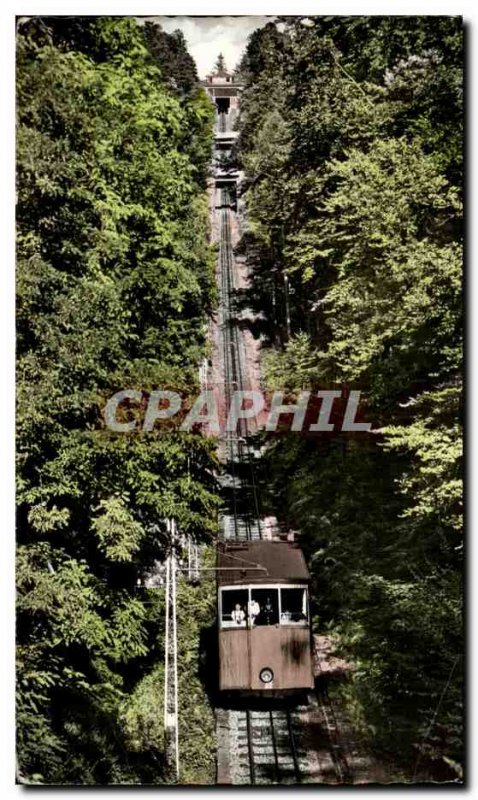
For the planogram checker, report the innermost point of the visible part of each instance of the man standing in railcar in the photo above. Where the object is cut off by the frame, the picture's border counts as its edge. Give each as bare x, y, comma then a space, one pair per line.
253, 610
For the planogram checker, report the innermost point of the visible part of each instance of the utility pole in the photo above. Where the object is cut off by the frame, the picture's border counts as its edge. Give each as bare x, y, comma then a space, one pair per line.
193, 561
287, 304
171, 741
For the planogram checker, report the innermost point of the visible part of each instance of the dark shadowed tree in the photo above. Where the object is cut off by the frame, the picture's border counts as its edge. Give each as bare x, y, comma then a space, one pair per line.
170, 52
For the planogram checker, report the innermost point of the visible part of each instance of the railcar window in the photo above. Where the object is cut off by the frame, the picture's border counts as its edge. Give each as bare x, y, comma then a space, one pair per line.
264, 606
293, 606
234, 608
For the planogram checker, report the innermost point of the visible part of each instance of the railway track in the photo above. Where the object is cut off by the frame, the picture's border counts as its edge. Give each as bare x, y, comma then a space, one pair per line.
266, 747
243, 520
282, 746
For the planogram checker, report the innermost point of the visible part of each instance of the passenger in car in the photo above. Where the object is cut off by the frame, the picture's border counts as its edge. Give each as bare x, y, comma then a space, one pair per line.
253, 610
238, 616
268, 611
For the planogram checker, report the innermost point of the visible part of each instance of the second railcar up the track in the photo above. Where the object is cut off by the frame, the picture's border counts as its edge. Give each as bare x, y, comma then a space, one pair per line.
263, 617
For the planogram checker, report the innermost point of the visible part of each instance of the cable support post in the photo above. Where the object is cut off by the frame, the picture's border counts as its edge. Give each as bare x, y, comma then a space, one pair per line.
170, 721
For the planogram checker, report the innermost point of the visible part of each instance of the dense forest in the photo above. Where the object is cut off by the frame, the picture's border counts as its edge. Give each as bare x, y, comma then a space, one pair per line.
350, 147
115, 281
351, 143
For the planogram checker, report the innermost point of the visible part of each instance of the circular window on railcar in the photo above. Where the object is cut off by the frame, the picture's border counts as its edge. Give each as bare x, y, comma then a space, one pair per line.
266, 675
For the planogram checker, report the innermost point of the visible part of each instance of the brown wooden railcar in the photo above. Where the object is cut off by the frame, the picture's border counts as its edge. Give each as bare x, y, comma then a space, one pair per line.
263, 617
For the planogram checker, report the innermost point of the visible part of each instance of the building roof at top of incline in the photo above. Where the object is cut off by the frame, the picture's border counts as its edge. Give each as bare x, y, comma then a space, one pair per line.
279, 562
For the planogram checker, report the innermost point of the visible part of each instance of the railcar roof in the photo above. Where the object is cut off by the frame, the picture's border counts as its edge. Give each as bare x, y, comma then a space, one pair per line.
281, 562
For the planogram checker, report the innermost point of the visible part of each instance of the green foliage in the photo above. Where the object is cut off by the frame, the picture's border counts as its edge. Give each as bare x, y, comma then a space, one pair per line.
379, 233
119, 535
115, 281
416, 619
353, 190
297, 366
432, 482
142, 714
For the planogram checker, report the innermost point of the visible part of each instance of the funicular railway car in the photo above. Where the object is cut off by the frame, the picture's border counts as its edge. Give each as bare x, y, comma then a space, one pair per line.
263, 617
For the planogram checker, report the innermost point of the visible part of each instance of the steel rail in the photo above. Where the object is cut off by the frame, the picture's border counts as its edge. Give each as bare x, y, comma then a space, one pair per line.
252, 768
274, 746
293, 747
